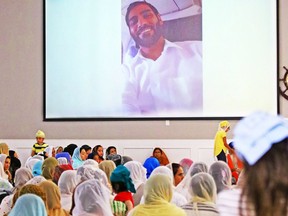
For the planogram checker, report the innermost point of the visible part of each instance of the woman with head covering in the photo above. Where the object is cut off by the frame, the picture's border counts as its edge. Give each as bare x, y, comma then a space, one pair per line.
138, 176
125, 159
49, 151
88, 172
150, 164
186, 163
177, 198
67, 183
91, 198
97, 154
31, 189
48, 168
184, 185
22, 176
3, 175
65, 155
178, 173
31, 162
261, 142
36, 180
6, 161
91, 162
29, 205
220, 141
221, 173
78, 158
59, 170
4, 148
123, 186
161, 156
53, 199
37, 168
15, 163
110, 150
203, 193
108, 167
157, 195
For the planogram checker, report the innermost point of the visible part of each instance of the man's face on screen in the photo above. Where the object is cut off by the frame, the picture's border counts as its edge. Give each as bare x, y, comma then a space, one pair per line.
144, 25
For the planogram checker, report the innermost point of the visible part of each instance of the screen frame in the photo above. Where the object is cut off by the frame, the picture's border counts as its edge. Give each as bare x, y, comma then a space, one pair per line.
147, 118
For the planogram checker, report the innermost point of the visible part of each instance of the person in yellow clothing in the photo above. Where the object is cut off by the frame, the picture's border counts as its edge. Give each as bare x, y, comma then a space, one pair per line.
220, 141
40, 145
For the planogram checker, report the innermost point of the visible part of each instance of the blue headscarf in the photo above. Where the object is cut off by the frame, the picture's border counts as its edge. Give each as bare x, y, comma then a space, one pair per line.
76, 159
122, 174
37, 168
29, 205
65, 155
150, 164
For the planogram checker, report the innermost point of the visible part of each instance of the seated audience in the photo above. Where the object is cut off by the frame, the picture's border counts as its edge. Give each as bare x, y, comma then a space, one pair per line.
221, 174
53, 199
157, 196
70, 148
161, 156
4, 148
91, 198
150, 164
67, 183
203, 196
97, 154
186, 163
123, 186
110, 150
177, 198
15, 163
6, 160
48, 168
138, 176
261, 142
29, 205
184, 185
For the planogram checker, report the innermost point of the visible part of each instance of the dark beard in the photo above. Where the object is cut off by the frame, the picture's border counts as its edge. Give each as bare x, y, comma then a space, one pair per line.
149, 41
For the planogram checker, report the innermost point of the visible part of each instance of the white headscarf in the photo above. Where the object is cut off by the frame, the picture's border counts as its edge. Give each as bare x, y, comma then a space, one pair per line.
49, 150
137, 172
92, 198
36, 180
31, 162
221, 173
22, 176
3, 175
91, 162
67, 183
88, 172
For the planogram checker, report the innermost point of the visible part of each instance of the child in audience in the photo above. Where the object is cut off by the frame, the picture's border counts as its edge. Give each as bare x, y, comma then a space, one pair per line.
40, 145
123, 186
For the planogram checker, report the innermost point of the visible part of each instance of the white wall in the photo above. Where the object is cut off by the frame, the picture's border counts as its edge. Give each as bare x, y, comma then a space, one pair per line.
197, 150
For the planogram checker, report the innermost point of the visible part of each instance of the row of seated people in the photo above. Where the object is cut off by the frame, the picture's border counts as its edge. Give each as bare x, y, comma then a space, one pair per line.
132, 188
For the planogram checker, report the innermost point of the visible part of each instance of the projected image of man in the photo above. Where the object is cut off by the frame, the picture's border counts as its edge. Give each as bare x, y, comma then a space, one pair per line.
164, 78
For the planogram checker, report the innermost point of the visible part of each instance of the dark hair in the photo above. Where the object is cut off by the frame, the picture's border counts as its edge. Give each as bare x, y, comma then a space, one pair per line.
108, 150
135, 4
70, 148
175, 167
119, 187
85, 147
157, 148
96, 148
266, 182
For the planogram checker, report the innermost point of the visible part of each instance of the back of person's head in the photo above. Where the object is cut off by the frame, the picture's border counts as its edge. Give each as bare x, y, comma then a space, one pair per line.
261, 141
125, 159
121, 181
135, 4
203, 188
150, 164
197, 167
158, 188
186, 163
116, 158
4, 148
221, 174
70, 148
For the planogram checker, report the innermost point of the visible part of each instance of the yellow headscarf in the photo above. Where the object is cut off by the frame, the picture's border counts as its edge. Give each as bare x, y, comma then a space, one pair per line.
157, 195
4, 149
48, 167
